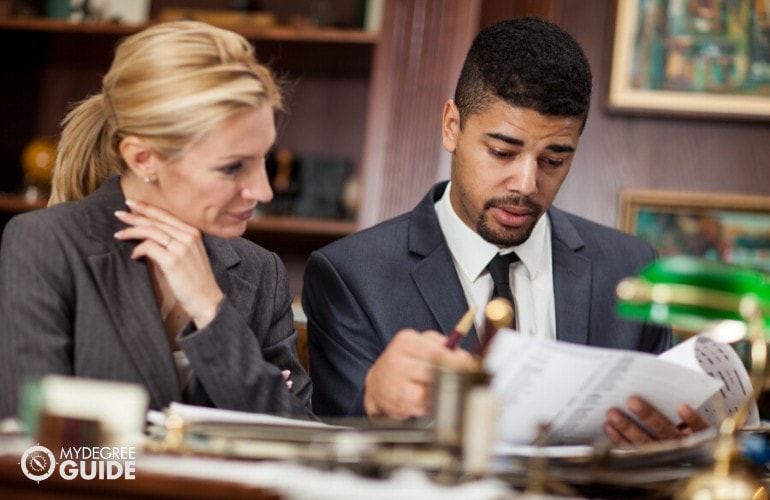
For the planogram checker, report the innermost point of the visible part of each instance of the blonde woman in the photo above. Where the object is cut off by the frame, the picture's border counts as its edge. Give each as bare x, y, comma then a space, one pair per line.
137, 272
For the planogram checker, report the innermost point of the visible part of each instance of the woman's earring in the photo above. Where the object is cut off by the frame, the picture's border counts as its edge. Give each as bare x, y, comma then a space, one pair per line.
147, 179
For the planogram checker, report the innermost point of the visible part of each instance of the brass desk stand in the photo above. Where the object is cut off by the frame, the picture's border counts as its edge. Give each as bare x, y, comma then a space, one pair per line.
692, 293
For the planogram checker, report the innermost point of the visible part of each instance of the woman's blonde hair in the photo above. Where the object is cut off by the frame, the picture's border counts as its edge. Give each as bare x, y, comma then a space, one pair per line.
169, 84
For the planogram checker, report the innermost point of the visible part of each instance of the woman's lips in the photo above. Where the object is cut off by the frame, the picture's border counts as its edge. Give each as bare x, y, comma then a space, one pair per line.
243, 216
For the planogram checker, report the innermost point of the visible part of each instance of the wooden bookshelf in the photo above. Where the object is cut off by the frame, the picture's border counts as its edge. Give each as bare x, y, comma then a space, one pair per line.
277, 33
14, 204
269, 224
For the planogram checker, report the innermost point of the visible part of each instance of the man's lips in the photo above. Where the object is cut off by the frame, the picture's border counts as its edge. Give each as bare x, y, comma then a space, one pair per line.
512, 216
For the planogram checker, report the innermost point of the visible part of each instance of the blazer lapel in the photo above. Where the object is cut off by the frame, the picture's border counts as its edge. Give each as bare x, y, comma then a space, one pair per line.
440, 289
128, 295
135, 314
571, 281
242, 294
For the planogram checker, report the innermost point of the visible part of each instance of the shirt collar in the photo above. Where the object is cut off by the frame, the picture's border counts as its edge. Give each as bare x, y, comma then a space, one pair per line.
472, 253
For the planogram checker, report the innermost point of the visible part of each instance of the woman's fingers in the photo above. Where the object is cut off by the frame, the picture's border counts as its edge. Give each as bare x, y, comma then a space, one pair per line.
145, 230
154, 213
178, 251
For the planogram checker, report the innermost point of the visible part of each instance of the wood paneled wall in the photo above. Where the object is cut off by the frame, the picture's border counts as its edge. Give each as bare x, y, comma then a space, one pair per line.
421, 49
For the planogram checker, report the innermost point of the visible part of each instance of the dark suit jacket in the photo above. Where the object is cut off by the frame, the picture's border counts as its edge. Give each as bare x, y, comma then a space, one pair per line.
73, 302
360, 290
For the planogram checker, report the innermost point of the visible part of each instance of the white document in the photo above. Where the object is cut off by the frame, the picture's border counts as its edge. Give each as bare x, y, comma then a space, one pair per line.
571, 386
721, 362
196, 414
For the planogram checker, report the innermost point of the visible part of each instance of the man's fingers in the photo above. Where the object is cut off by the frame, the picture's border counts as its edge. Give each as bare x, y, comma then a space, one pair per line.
657, 423
692, 420
627, 428
615, 436
399, 383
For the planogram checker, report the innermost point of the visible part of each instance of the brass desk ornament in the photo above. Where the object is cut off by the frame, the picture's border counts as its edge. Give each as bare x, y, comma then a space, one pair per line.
465, 409
691, 293
37, 161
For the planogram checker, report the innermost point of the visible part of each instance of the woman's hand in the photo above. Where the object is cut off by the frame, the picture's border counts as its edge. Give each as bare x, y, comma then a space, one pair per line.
177, 251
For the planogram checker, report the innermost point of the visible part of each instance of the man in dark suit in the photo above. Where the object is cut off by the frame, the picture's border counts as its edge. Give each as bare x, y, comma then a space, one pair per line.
519, 108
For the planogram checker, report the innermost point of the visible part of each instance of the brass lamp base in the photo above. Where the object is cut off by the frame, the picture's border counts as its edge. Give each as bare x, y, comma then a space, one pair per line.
712, 486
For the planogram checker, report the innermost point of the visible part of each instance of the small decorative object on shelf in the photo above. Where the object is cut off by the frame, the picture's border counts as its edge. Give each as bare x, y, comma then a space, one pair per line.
321, 183
283, 170
37, 160
114, 11
311, 186
226, 18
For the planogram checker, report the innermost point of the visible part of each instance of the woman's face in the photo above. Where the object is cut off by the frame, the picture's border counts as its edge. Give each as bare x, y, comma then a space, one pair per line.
218, 183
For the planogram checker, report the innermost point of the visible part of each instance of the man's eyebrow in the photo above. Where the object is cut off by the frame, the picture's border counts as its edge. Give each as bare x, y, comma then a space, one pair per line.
560, 148
556, 148
505, 138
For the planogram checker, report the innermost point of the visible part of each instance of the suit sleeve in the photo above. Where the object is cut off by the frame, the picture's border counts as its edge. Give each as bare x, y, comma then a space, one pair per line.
35, 308
342, 342
655, 338
239, 364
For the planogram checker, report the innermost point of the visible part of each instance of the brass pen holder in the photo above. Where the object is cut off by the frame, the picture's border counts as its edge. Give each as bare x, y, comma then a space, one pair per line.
465, 419
451, 393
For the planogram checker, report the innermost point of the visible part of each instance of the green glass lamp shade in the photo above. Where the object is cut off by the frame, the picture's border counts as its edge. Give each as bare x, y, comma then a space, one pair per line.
692, 293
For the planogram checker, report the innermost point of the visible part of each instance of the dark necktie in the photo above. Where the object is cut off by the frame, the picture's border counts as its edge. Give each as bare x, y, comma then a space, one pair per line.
499, 268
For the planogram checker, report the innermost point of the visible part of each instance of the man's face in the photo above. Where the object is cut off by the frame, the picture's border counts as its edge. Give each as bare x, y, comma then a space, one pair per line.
507, 167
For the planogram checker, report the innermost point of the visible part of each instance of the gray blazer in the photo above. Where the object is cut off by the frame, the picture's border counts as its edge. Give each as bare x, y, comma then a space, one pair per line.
72, 301
359, 291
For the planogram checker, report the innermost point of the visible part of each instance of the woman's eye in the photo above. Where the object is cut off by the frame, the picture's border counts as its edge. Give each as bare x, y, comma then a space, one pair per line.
232, 168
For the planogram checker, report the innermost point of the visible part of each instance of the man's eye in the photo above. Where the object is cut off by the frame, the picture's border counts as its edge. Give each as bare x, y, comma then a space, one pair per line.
552, 162
498, 153
232, 168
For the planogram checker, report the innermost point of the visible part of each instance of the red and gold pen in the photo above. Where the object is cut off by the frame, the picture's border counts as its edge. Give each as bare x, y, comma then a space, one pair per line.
461, 329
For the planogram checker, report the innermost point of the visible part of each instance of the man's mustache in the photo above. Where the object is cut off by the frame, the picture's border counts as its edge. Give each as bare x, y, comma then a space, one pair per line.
513, 201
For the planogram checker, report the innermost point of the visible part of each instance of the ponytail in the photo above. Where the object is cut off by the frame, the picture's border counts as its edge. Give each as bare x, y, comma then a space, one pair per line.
85, 155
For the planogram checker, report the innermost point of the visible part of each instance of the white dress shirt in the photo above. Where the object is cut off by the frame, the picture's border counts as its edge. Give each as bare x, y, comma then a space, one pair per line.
531, 277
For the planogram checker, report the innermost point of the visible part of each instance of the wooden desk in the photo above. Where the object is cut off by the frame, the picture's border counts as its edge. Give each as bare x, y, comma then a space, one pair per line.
13, 484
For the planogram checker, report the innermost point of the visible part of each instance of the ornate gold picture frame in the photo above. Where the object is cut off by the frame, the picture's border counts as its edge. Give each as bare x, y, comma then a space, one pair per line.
691, 58
732, 228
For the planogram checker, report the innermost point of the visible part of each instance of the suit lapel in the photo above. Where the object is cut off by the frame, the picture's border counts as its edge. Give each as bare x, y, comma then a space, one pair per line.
128, 296
443, 293
571, 281
440, 289
223, 257
135, 314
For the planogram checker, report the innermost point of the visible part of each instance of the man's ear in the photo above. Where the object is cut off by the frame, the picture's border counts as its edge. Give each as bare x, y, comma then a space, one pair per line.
138, 156
450, 126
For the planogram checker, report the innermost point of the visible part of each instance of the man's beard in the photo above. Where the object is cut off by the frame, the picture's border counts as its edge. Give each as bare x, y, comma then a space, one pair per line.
509, 237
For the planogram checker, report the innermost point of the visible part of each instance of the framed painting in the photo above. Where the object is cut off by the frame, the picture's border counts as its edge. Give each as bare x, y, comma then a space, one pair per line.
725, 227
694, 58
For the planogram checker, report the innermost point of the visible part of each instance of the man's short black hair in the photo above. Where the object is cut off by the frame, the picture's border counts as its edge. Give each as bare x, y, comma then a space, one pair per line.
529, 63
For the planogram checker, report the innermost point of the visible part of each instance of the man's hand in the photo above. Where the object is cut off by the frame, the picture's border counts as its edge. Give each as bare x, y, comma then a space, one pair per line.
399, 383
625, 432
